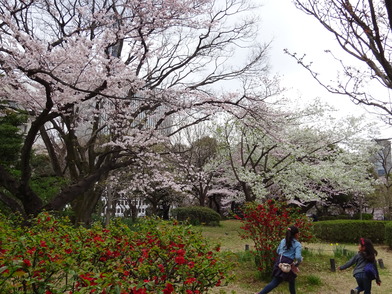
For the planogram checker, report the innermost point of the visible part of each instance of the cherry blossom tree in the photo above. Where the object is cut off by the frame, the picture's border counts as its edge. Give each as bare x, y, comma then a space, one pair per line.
196, 150
383, 193
205, 177
104, 82
298, 161
363, 30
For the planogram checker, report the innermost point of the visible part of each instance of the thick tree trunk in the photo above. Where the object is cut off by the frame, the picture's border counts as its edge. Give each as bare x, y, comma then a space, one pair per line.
56, 167
202, 199
388, 5
165, 211
249, 196
31, 203
134, 211
201, 194
84, 207
153, 206
215, 204
13, 205
389, 213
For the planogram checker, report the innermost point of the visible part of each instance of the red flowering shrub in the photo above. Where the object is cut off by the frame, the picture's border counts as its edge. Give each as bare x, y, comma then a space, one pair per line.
266, 224
53, 257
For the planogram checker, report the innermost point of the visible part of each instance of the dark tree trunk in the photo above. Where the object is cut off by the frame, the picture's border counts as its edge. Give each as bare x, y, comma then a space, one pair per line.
388, 5
165, 211
249, 196
84, 207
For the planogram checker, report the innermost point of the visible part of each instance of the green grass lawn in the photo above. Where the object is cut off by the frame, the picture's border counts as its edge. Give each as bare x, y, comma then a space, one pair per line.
315, 276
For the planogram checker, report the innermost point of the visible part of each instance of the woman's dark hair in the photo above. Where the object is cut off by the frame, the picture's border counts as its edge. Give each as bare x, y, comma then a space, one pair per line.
290, 234
370, 253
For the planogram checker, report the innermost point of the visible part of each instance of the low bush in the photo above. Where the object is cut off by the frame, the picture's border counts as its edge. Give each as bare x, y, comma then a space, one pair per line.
334, 217
364, 216
349, 231
266, 224
54, 257
357, 216
197, 215
388, 234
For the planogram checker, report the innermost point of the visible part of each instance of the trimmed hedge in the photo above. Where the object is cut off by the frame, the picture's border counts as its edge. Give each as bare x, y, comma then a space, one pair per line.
357, 216
197, 215
388, 234
365, 216
349, 231
334, 217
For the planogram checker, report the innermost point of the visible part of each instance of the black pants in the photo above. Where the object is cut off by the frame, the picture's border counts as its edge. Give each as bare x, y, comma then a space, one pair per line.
276, 281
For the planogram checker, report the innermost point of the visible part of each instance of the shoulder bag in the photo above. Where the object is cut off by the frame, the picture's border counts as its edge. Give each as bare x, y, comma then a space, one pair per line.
284, 267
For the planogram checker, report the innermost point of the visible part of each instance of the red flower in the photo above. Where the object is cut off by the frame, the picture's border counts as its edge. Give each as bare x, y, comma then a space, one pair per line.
190, 281
161, 268
27, 262
180, 260
138, 291
169, 289
181, 252
91, 280
31, 250
145, 253
98, 238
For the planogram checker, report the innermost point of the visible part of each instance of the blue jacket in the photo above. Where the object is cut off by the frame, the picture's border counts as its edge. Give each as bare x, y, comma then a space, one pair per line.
294, 252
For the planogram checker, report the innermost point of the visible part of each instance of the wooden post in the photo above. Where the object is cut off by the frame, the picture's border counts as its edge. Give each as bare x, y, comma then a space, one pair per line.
333, 265
381, 263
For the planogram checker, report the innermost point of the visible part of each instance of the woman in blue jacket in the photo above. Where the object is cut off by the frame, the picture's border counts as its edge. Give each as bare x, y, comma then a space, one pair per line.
289, 251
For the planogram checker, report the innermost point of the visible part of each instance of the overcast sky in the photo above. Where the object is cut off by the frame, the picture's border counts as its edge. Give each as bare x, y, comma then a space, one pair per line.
289, 28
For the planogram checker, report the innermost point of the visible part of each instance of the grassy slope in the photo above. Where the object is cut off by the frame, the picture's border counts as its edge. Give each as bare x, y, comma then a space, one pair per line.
315, 276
